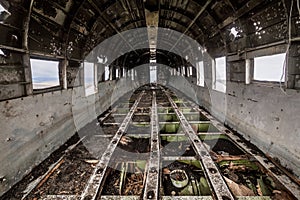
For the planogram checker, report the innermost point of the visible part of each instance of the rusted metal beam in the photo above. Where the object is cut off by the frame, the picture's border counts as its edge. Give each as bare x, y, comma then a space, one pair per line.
94, 184
151, 190
217, 182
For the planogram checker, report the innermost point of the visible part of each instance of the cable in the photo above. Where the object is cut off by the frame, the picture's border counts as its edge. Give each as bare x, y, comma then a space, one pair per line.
285, 63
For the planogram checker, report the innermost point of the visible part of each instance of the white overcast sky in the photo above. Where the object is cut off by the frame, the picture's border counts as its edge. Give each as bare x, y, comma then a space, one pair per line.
44, 68
269, 67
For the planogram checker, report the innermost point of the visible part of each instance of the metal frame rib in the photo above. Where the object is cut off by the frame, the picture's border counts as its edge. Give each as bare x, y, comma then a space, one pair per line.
217, 182
151, 190
94, 184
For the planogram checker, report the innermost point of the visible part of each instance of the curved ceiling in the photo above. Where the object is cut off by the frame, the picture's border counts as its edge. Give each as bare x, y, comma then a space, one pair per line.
132, 60
72, 28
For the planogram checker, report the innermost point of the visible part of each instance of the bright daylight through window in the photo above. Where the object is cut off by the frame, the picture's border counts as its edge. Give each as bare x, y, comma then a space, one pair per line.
200, 73
89, 78
220, 74
270, 68
44, 73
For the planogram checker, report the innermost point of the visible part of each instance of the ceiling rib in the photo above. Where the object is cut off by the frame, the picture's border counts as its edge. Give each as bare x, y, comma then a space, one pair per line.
191, 24
111, 25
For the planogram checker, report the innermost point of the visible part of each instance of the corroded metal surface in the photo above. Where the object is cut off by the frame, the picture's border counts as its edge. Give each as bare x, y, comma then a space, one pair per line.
218, 184
96, 179
151, 190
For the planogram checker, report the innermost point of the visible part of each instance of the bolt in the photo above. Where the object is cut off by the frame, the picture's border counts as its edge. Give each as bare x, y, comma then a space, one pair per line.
2, 179
150, 195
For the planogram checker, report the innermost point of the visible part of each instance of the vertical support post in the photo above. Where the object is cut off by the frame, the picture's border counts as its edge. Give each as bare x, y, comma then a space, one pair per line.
81, 75
213, 75
292, 71
26, 56
63, 73
121, 72
248, 76
101, 72
95, 77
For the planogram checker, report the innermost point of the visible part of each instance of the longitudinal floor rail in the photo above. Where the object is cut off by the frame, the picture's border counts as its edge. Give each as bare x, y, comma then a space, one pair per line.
218, 184
94, 184
152, 181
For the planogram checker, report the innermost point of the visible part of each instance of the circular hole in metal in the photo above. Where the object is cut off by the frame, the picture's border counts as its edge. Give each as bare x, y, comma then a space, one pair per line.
212, 170
154, 140
179, 178
114, 141
227, 131
226, 198
196, 141
120, 133
99, 171
150, 194
153, 170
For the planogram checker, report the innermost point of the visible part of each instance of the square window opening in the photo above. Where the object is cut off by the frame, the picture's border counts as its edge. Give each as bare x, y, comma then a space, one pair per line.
106, 73
45, 73
153, 74
117, 73
89, 78
270, 68
220, 74
200, 74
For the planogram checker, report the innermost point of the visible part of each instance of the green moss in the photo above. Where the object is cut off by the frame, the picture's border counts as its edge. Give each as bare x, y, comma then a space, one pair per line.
141, 164
247, 163
213, 137
207, 127
169, 128
174, 138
